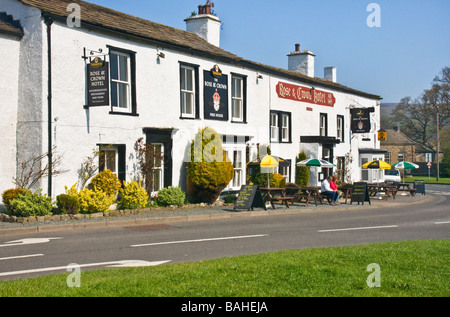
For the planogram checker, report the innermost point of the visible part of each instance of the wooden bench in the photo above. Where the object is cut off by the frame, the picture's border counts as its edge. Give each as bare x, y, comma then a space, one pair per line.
283, 200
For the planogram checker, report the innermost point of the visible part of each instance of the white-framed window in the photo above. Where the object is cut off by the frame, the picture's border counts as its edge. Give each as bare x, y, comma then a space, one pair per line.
323, 125
158, 167
274, 127
187, 88
340, 128
237, 157
121, 82
285, 128
387, 157
109, 159
285, 171
401, 156
237, 99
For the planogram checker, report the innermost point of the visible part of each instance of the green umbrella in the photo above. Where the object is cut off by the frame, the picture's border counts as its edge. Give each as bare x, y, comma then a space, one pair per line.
315, 162
405, 166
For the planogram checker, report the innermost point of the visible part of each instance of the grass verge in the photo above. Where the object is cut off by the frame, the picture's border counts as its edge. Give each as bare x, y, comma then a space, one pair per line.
410, 268
432, 180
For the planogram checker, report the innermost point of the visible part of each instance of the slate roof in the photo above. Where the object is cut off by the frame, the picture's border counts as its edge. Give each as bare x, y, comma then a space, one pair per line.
10, 26
396, 138
93, 15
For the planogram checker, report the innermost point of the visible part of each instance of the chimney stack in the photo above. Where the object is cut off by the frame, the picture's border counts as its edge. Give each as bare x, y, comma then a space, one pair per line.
205, 25
301, 61
330, 73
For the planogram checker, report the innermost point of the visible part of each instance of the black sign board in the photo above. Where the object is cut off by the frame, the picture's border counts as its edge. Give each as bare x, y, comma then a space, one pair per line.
360, 120
420, 187
360, 193
98, 83
215, 94
250, 196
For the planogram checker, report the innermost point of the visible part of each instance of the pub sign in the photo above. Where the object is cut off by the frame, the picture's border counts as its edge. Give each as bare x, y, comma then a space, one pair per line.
360, 120
215, 94
98, 83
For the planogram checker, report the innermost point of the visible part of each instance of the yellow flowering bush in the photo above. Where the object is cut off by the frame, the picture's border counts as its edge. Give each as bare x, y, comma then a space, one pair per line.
105, 181
91, 201
132, 196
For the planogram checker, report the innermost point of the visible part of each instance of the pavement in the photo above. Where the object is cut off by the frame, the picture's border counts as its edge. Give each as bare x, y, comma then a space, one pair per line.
196, 213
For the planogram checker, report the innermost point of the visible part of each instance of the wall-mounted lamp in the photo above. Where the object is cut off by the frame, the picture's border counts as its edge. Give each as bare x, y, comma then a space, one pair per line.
161, 55
312, 88
259, 76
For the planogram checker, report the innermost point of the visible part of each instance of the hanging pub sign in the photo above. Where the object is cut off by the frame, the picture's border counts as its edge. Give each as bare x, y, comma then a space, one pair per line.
382, 134
98, 82
215, 94
305, 94
360, 120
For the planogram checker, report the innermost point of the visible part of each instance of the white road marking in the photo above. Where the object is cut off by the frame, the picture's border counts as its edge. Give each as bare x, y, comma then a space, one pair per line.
358, 228
441, 222
20, 257
126, 263
199, 240
27, 241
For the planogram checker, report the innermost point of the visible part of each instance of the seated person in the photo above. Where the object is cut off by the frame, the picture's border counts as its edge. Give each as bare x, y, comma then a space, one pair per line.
326, 190
334, 187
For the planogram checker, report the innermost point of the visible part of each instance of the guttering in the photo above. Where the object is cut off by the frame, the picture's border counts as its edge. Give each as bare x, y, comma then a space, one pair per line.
48, 22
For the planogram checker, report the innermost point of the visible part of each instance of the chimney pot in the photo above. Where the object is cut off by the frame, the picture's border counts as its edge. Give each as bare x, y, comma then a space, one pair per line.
297, 47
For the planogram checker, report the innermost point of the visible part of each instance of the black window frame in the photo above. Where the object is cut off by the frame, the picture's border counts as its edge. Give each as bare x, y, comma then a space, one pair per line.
323, 115
343, 127
244, 98
280, 115
132, 55
121, 160
197, 90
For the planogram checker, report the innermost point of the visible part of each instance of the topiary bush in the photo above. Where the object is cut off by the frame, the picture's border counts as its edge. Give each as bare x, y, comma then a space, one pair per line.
170, 196
301, 172
10, 194
209, 170
67, 204
278, 180
107, 182
132, 196
31, 204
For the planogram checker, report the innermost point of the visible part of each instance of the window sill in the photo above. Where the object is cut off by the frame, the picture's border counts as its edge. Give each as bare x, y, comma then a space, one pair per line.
130, 114
238, 122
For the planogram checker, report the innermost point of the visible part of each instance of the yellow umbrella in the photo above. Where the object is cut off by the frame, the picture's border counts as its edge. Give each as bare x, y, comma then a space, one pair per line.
377, 164
266, 163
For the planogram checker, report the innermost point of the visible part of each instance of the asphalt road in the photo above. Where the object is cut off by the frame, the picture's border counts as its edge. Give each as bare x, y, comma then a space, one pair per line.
172, 242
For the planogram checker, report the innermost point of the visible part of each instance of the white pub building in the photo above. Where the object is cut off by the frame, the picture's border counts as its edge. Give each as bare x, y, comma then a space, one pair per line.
105, 80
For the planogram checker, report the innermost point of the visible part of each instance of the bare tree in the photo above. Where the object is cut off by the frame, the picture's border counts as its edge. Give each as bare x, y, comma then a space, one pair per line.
32, 170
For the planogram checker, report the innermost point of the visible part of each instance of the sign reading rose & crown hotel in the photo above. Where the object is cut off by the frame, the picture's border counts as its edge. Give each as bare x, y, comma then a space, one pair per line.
305, 94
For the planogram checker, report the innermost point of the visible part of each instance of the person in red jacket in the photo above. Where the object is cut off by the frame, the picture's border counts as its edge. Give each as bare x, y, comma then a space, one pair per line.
334, 188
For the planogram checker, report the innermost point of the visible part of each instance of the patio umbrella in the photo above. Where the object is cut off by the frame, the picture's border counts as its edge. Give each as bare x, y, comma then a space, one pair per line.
267, 162
315, 162
281, 162
405, 166
377, 165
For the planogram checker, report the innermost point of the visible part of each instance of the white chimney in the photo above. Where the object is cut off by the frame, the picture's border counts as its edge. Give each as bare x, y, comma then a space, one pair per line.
301, 61
330, 73
205, 25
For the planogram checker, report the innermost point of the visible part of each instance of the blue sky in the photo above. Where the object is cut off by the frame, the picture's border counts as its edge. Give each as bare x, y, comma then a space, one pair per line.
398, 59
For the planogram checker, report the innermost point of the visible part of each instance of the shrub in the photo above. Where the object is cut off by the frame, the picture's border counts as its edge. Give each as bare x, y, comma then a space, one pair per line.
10, 194
28, 204
278, 180
67, 204
301, 172
133, 196
209, 170
107, 182
91, 201
170, 196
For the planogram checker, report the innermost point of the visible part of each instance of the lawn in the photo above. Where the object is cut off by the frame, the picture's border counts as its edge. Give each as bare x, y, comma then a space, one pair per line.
407, 269
442, 180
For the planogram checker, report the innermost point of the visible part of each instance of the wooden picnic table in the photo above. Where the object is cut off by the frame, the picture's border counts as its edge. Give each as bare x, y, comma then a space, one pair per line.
386, 188
405, 187
346, 190
308, 193
274, 194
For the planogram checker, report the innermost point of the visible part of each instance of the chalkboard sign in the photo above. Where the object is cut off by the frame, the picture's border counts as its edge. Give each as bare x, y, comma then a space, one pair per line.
420, 187
360, 193
249, 196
